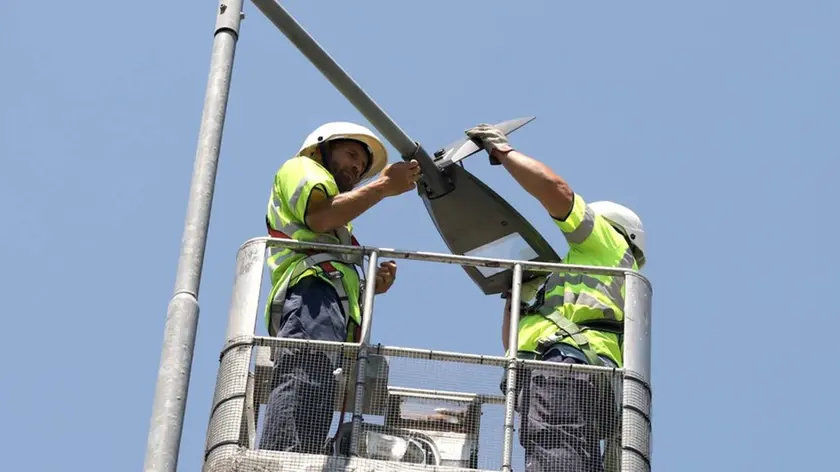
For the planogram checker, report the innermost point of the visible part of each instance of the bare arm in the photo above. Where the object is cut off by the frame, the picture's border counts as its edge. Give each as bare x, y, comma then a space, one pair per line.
326, 214
540, 181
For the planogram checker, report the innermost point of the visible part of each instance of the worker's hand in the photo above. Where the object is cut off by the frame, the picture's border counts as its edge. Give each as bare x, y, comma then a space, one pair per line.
491, 139
400, 177
385, 275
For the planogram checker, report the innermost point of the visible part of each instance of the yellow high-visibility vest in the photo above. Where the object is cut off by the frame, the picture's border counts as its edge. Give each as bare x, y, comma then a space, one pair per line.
589, 308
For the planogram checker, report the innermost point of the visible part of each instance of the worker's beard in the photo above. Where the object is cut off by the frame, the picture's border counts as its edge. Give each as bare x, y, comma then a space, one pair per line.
343, 181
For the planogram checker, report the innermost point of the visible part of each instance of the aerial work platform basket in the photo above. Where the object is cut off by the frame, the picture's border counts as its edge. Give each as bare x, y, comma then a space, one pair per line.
410, 409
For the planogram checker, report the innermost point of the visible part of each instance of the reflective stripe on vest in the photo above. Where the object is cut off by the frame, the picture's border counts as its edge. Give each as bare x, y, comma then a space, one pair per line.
550, 305
551, 300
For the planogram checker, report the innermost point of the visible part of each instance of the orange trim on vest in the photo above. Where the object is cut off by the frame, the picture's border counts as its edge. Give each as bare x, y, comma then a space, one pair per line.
280, 235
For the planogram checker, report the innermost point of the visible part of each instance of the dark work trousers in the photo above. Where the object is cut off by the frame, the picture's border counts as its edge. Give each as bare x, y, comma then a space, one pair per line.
558, 412
300, 408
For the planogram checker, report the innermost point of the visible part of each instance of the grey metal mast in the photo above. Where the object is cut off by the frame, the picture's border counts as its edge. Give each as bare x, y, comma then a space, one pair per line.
182, 314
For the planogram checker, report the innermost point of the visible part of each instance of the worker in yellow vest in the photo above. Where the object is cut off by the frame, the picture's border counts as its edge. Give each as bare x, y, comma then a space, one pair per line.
575, 318
316, 295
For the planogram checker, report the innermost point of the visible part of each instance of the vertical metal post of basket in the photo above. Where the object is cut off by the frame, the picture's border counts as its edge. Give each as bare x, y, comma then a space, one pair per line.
636, 397
228, 407
510, 390
361, 359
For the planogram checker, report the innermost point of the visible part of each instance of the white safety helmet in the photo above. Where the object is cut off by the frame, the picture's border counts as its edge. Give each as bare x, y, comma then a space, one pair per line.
345, 130
627, 222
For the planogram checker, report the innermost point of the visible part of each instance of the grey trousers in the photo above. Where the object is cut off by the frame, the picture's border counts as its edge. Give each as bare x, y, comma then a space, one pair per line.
562, 417
300, 409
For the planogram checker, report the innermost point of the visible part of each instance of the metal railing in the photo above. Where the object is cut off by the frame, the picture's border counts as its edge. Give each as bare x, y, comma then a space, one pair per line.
233, 387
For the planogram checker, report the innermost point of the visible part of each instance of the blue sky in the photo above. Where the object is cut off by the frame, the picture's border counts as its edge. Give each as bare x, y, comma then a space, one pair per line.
716, 121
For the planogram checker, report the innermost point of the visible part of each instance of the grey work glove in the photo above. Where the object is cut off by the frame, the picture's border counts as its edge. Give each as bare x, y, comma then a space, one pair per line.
491, 139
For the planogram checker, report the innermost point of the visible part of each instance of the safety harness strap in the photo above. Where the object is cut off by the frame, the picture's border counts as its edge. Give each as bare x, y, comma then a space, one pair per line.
322, 260
566, 328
